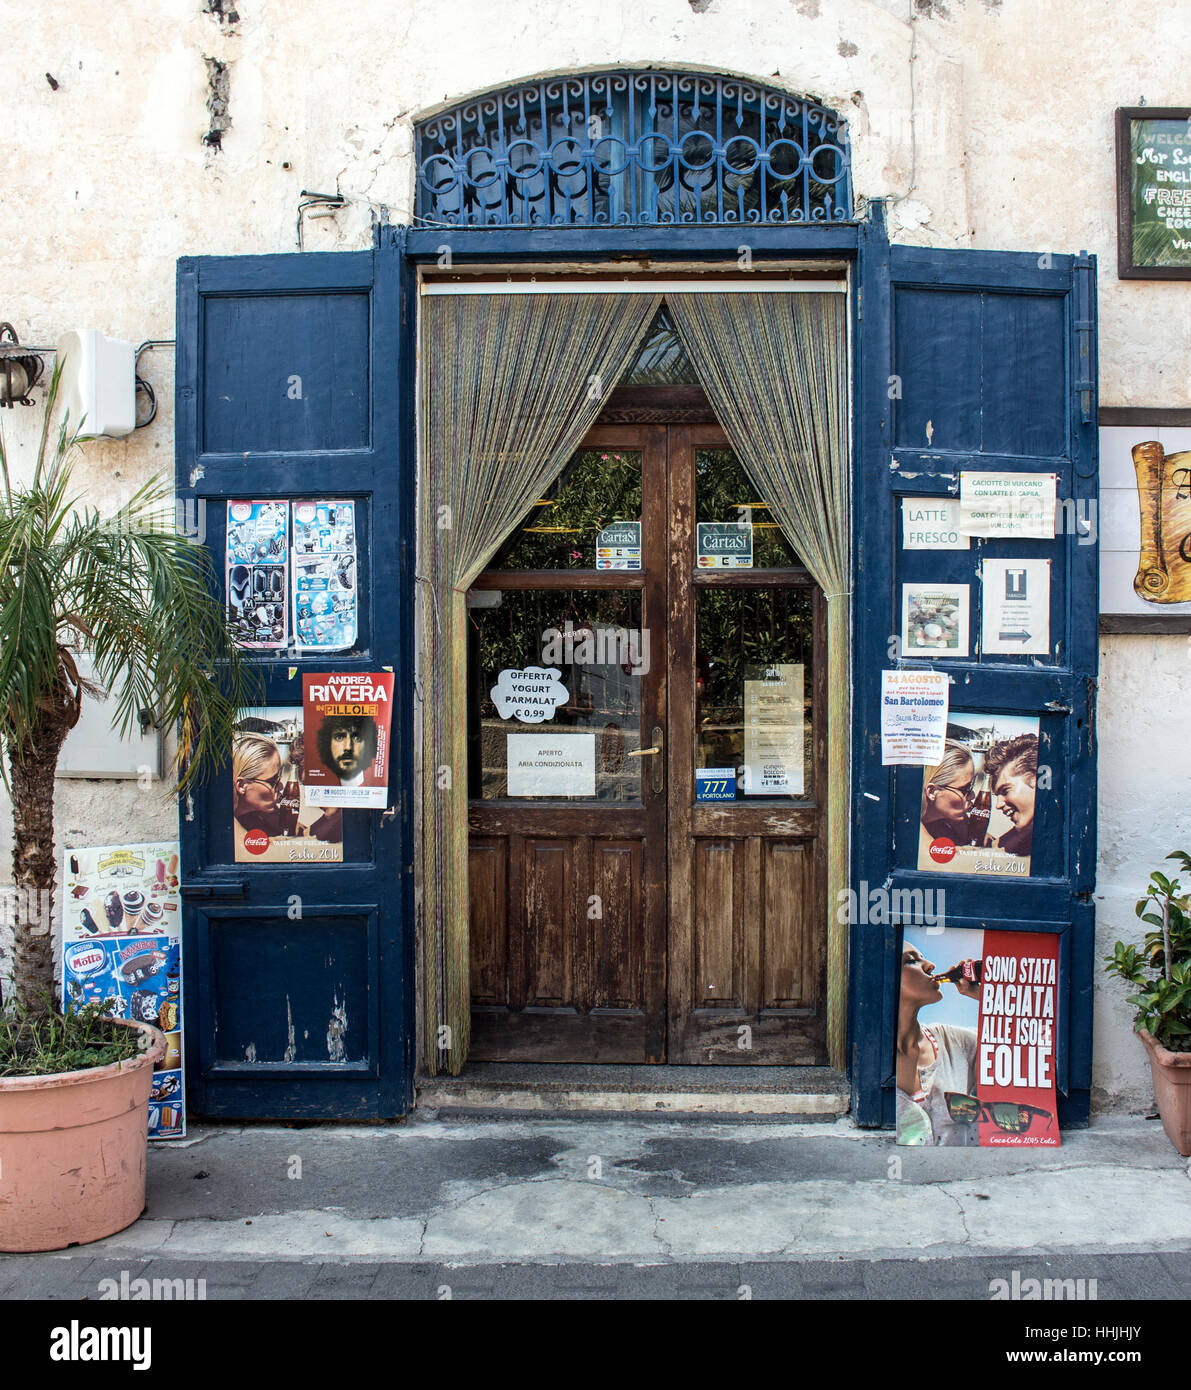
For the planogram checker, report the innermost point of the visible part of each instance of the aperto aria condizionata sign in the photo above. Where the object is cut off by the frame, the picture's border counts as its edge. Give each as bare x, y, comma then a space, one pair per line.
551, 764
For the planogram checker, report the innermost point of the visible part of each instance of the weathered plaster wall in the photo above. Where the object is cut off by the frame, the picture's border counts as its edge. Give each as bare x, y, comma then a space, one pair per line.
177, 127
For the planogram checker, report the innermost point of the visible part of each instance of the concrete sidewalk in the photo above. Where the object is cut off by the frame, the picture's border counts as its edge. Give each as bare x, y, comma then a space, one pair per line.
402, 1204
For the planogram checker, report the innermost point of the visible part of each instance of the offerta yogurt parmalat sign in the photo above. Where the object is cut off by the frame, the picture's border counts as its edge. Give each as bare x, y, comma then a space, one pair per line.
530, 694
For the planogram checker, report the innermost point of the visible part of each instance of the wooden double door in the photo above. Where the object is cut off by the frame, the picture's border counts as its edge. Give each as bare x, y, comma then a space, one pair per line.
646, 769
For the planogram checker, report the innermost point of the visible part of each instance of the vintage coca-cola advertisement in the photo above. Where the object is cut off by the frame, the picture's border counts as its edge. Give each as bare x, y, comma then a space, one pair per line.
978, 800
977, 1038
274, 822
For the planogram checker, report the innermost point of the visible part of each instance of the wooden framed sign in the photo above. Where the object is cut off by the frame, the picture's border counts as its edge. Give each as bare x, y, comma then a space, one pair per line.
1154, 192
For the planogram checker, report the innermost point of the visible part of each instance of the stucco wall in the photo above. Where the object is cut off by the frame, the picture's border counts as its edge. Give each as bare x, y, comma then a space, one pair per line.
985, 123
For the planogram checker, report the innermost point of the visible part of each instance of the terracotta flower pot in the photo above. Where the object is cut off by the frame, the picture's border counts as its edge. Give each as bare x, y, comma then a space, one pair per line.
1172, 1090
72, 1149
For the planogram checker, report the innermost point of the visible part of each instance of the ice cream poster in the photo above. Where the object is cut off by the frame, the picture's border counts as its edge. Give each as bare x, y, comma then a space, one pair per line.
977, 813
122, 940
977, 1027
348, 718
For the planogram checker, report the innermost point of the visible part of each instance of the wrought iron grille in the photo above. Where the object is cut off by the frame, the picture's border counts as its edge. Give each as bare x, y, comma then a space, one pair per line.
633, 148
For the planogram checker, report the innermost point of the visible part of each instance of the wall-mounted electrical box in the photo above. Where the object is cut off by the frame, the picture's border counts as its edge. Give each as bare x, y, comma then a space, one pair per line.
94, 749
98, 385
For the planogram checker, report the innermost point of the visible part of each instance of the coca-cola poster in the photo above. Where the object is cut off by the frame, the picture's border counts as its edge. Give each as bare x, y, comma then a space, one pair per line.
122, 941
348, 718
976, 1046
273, 821
978, 800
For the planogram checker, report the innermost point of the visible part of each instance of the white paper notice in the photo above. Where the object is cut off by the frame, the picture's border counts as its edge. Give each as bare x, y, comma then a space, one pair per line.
1007, 504
773, 736
932, 523
530, 695
1016, 607
913, 717
551, 764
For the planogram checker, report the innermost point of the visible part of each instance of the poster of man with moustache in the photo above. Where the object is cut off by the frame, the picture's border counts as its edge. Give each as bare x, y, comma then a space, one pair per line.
349, 716
977, 812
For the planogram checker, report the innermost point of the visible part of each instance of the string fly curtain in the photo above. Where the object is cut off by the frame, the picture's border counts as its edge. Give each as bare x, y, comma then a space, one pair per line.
509, 385
775, 368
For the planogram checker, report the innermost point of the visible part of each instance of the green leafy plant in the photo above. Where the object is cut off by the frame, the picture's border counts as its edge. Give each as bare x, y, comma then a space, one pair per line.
137, 599
48, 1043
1160, 969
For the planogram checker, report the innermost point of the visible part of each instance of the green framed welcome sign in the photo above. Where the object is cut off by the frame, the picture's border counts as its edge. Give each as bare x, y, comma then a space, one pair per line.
1154, 193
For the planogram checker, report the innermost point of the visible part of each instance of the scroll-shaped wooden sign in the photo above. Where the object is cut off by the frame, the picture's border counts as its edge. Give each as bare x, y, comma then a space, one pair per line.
1164, 494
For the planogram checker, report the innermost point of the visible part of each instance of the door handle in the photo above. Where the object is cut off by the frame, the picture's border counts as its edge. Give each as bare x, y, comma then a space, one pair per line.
658, 770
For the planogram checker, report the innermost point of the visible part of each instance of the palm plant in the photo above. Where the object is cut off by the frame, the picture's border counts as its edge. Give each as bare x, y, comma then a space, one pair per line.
135, 597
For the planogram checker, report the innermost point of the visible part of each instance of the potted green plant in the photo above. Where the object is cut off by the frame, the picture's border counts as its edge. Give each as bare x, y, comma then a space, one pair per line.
1160, 972
136, 598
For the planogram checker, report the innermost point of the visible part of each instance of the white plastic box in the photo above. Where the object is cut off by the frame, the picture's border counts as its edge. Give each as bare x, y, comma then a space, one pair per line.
98, 385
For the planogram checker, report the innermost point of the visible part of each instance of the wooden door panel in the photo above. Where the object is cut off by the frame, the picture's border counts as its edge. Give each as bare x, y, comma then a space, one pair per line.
578, 987
717, 975
615, 921
548, 927
786, 980
487, 877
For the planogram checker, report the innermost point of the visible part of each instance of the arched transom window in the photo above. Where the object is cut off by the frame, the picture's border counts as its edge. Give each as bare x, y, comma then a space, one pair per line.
633, 148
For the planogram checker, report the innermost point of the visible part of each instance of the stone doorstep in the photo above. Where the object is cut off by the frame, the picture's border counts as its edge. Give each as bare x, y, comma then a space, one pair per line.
809, 1092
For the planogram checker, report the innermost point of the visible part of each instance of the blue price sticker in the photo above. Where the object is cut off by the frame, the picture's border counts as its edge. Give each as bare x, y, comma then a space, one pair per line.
715, 784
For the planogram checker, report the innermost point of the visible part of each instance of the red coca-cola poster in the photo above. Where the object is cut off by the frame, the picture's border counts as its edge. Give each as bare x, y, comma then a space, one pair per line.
976, 1044
347, 718
1015, 1075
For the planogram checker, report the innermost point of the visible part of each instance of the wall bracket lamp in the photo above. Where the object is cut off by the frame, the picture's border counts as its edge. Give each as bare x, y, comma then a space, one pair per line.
21, 367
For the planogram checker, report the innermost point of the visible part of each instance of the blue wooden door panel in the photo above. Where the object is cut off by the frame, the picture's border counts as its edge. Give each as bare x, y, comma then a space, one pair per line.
294, 377
974, 360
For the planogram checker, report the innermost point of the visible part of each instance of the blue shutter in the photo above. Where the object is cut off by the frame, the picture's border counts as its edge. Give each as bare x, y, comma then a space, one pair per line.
995, 352
293, 380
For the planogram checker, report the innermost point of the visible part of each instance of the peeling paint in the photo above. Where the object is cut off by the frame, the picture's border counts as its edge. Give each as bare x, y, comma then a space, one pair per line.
196, 474
218, 101
846, 49
291, 1048
336, 1028
223, 10
250, 1052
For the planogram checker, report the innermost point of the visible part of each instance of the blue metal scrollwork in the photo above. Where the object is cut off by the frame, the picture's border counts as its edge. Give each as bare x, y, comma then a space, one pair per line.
633, 148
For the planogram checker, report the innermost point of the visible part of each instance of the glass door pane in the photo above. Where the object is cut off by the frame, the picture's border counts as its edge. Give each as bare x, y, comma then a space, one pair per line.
555, 680
754, 680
